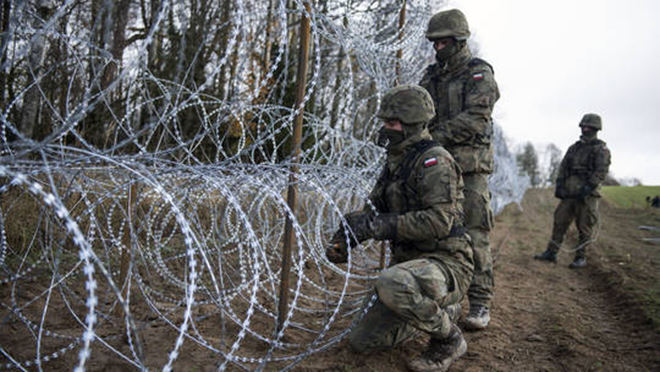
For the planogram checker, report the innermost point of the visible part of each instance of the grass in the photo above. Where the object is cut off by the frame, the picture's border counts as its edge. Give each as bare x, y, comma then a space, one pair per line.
629, 196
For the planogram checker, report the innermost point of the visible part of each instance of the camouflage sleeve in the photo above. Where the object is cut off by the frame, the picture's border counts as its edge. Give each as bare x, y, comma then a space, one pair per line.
376, 195
473, 124
562, 174
437, 184
601, 166
426, 81
438, 127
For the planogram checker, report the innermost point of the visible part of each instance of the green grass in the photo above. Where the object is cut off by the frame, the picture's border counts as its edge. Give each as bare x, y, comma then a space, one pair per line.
629, 196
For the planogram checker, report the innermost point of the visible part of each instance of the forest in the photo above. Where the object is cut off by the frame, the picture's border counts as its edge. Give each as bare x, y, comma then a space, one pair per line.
147, 149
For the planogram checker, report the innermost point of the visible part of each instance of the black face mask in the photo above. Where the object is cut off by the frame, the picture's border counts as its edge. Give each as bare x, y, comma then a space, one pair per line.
389, 138
447, 52
588, 135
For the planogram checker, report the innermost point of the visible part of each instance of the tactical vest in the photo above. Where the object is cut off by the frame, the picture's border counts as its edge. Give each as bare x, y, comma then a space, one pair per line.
449, 92
399, 189
397, 192
579, 164
453, 85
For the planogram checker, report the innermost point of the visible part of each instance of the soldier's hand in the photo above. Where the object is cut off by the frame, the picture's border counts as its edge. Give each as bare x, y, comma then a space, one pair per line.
336, 252
358, 229
585, 191
360, 224
383, 226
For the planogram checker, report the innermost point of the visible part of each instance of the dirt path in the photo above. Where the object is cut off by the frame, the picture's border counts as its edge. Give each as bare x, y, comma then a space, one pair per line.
545, 317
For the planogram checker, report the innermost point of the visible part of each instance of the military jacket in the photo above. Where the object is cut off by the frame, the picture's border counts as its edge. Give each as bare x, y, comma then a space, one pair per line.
586, 163
464, 91
425, 189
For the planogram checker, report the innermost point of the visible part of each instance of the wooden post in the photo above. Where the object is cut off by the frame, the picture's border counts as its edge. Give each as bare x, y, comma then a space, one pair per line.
292, 192
127, 243
399, 53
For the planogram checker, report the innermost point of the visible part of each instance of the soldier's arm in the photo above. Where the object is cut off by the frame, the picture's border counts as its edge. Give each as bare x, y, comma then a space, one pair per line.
562, 174
601, 166
426, 80
440, 134
473, 123
437, 187
375, 196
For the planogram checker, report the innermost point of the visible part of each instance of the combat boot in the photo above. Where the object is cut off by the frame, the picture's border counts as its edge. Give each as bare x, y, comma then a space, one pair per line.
478, 318
441, 353
578, 263
548, 255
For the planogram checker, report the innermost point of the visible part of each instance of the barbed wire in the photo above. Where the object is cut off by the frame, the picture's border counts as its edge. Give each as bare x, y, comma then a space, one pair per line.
197, 210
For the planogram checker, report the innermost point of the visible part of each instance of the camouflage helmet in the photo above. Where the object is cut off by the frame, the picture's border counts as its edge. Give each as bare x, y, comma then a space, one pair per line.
591, 121
449, 23
409, 103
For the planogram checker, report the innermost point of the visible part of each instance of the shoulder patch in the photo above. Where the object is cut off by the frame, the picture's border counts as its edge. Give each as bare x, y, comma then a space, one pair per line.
478, 76
429, 162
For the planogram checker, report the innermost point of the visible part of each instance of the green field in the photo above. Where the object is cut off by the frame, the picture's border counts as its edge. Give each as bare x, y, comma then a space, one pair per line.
629, 196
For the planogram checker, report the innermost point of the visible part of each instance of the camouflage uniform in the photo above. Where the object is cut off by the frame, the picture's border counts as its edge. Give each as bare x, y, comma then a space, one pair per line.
432, 265
465, 91
581, 172
417, 200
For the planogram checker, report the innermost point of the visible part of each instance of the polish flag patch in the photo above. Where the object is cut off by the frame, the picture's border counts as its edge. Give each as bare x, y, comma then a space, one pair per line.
430, 162
478, 76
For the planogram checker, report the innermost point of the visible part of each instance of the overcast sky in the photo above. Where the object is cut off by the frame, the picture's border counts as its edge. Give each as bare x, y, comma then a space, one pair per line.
557, 60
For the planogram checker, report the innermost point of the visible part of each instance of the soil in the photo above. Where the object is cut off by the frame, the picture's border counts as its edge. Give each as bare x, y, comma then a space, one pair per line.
544, 317
547, 317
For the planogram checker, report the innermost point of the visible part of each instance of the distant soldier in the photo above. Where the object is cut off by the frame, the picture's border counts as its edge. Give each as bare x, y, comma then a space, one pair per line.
417, 200
464, 91
656, 202
581, 173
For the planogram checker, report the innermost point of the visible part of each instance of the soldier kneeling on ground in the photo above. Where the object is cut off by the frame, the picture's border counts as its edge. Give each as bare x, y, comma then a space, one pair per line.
417, 201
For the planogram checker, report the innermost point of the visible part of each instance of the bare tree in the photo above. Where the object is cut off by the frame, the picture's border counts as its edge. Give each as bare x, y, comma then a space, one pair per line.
38, 49
529, 164
555, 160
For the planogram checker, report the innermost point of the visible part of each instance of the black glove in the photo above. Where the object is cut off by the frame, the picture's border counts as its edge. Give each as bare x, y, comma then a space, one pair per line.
585, 191
359, 224
364, 225
383, 226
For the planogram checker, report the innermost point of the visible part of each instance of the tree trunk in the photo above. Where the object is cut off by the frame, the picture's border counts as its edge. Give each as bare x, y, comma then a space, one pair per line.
32, 98
224, 41
118, 42
4, 42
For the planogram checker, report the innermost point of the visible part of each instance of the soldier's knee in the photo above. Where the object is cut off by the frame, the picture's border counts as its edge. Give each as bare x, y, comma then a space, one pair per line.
391, 284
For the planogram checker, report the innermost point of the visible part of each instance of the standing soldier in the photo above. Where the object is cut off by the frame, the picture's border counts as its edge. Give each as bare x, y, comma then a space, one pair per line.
581, 173
417, 207
465, 91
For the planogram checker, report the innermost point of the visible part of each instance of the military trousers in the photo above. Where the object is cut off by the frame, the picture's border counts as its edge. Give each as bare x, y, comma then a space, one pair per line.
585, 214
411, 297
479, 222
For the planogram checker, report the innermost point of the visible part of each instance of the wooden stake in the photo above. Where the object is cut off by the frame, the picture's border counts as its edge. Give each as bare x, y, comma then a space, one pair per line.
399, 53
292, 192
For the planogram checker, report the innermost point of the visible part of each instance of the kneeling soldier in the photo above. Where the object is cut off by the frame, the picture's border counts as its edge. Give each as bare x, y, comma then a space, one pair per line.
418, 208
